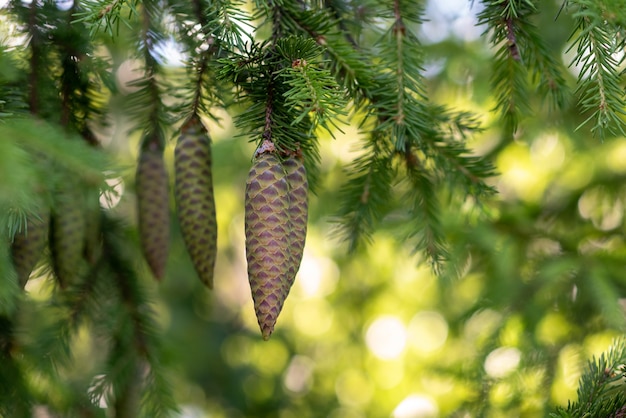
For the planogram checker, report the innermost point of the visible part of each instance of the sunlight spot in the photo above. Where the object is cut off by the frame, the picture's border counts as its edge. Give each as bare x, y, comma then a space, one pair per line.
190, 411
616, 156
618, 55
553, 329
310, 275
604, 211
298, 375
98, 390
570, 363
466, 29
452, 17
520, 177
481, 325
64, 5
502, 361
39, 286
170, 53
127, 75
547, 152
386, 337
416, 406
111, 197
427, 331
434, 31
317, 276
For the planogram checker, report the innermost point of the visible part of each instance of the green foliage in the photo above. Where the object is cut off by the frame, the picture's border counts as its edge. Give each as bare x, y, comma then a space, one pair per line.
599, 42
468, 157
522, 61
600, 392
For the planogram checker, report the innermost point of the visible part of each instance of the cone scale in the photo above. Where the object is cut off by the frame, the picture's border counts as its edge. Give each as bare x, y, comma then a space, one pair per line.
195, 199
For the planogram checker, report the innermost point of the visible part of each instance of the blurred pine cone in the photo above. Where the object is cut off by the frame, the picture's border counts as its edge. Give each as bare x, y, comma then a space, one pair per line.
152, 187
93, 220
267, 239
29, 243
67, 232
195, 200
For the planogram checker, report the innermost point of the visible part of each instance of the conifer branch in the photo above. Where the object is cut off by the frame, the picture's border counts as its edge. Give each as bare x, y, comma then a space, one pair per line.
428, 138
135, 371
367, 196
202, 66
600, 390
145, 104
313, 92
348, 63
424, 213
337, 9
78, 106
35, 56
399, 32
520, 52
506, 19
13, 394
599, 79
107, 13
267, 126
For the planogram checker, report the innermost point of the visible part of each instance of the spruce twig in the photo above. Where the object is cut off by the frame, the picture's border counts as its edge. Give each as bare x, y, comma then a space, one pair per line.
599, 78
600, 390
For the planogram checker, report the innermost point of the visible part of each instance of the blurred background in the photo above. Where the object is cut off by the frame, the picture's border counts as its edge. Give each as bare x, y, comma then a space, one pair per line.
532, 293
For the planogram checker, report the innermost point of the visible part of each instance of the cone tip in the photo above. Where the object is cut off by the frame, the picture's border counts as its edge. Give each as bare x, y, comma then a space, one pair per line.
266, 331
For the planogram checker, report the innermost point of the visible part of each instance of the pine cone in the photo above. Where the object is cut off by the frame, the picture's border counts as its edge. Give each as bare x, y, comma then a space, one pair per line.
267, 239
194, 197
29, 243
298, 211
67, 233
151, 184
93, 220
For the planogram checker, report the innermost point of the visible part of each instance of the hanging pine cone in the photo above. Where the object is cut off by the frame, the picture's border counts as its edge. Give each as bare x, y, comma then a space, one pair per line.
267, 239
194, 197
67, 232
29, 243
151, 184
93, 218
298, 211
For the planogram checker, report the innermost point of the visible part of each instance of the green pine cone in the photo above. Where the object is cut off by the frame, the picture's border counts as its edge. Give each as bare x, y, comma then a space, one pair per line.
267, 239
194, 197
29, 243
298, 211
152, 187
67, 233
